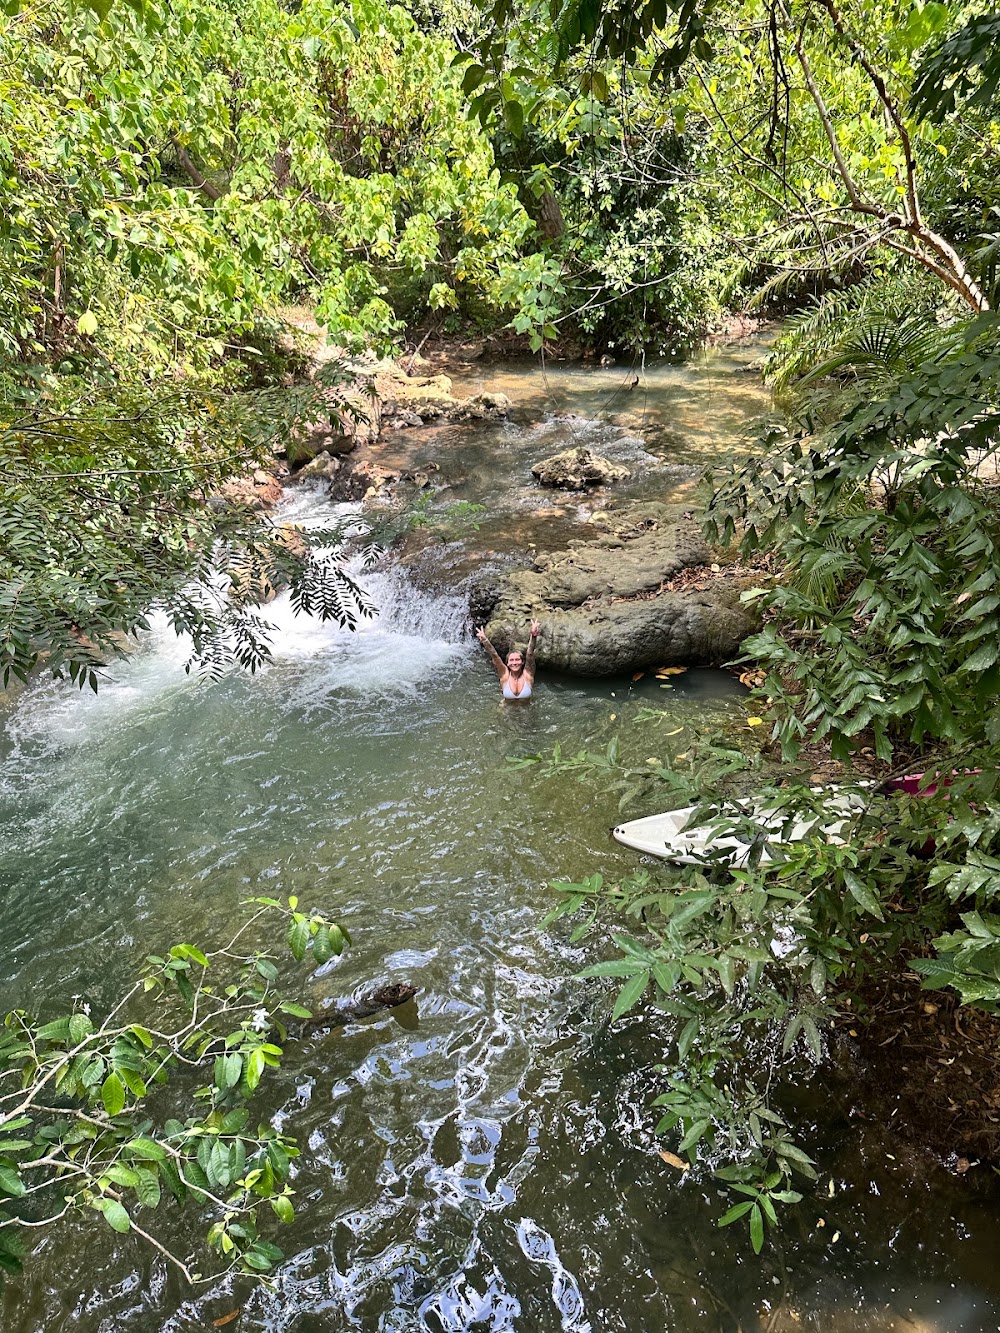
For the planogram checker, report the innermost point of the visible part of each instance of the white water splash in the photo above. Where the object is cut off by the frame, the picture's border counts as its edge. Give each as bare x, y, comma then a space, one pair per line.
411, 641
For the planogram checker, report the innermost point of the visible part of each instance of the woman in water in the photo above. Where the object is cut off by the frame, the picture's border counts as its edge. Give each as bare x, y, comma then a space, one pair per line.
517, 674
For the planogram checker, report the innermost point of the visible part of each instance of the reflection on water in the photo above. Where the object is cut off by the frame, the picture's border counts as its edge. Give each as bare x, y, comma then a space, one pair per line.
478, 1161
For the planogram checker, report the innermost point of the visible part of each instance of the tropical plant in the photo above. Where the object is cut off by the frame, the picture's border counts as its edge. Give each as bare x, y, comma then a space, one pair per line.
174, 172
153, 1101
116, 506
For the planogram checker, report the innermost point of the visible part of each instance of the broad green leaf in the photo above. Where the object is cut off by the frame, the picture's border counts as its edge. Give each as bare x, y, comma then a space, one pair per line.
147, 1188
630, 994
146, 1148
113, 1094
115, 1215
298, 939
322, 948
10, 1182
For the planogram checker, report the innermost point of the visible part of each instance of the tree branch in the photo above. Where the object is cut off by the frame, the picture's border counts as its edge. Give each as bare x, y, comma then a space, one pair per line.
184, 158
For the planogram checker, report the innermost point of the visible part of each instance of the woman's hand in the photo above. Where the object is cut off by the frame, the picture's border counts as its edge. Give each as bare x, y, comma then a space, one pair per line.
536, 629
481, 634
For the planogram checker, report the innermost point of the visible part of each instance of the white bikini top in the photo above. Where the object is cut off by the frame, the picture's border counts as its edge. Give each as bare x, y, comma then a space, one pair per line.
508, 693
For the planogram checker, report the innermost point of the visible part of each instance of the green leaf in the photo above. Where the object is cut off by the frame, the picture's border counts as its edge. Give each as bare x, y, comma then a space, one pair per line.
694, 1135
80, 1027
257, 1261
229, 1070
87, 323
146, 1148
513, 115
122, 1175
630, 994
147, 1188
298, 939
10, 1182
133, 1082
473, 77
322, 948
756, 1229
616, 967
189, 952
863, 894
255, 1067
57, 1030
113, 1094
734, 1214
283, 1209
115, 1215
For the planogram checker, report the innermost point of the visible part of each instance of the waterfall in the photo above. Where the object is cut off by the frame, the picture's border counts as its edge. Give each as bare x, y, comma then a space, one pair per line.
412, 637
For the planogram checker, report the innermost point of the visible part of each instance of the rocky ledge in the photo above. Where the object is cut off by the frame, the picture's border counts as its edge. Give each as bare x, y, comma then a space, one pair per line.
621, 602
383, 397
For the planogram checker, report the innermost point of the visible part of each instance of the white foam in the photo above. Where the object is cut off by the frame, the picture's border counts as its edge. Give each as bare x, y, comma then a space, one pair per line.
404, 648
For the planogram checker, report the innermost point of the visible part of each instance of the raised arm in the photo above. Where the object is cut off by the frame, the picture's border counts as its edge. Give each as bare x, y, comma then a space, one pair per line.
529, 660
498, 662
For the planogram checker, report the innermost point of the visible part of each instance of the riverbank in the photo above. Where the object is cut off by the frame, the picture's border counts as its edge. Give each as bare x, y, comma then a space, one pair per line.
392, 442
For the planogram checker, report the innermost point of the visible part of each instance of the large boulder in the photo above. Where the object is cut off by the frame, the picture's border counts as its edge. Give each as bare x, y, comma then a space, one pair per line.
321, 468
430, 398
577, 470
607, 606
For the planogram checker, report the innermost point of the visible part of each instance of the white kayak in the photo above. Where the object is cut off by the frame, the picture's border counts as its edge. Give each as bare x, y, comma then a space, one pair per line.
667, 837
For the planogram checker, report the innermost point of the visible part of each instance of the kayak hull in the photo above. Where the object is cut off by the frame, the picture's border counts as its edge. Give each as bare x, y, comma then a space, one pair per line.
667, 836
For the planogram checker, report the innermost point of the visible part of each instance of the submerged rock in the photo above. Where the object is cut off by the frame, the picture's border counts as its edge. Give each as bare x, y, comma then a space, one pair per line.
577, 470
366, 1005
429, 398
606, 605
322, 468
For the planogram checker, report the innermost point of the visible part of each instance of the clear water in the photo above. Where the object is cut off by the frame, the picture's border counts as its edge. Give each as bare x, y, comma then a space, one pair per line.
481, 1161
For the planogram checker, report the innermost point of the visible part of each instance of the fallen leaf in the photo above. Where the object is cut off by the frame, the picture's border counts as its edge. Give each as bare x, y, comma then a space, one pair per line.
834, 1238
670, 671
755, 721
930, 1008
638, 675
652, 760
613, 716
715, 568
821, 1221
226, 1318
672, 1159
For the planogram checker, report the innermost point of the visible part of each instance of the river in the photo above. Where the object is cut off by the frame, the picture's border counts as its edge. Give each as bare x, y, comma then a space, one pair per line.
480, 1160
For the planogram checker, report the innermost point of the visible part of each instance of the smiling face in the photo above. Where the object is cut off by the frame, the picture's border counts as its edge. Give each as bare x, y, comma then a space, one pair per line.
515, 663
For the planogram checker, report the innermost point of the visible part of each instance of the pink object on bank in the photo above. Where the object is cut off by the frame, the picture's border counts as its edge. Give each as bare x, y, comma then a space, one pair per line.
911, 783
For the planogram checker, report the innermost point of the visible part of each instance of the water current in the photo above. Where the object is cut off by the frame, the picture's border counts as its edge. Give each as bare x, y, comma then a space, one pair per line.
481, 1159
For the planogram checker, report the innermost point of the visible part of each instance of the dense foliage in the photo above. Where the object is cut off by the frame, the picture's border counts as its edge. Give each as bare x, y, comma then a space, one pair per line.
173, 172
113, 1114
109, 515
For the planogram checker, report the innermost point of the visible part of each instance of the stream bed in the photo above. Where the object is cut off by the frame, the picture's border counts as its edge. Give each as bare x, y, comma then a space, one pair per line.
481, 1159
